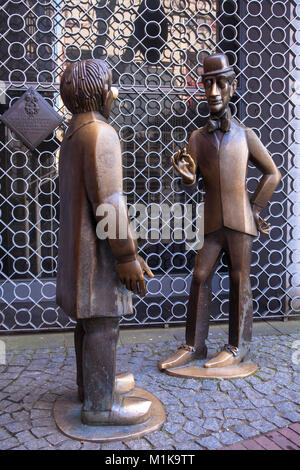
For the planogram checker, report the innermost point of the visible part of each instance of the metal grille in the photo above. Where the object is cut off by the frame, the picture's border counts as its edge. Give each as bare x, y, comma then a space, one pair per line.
156, 49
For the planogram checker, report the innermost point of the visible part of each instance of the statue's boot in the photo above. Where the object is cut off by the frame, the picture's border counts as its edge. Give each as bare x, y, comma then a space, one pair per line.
182, 356
124, 383
125, 411
229, 356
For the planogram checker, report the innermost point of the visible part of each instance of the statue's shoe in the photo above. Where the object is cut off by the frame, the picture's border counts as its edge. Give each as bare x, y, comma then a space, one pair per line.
183, 355
229, 356
124, 383
125, 411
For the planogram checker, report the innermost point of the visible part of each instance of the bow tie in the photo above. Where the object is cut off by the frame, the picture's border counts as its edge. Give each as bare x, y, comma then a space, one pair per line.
223, 123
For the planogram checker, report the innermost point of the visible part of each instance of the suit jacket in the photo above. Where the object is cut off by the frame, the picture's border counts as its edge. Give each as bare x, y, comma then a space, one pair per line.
223, 165
90, 173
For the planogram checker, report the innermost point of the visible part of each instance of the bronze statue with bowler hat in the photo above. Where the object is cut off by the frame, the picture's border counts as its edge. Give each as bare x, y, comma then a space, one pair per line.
221, 150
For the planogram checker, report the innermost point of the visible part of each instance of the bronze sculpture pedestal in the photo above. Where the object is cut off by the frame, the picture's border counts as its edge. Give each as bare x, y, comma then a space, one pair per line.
196, 370
67, 415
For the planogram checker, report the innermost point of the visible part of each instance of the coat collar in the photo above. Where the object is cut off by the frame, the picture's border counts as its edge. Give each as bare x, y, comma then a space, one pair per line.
82, 119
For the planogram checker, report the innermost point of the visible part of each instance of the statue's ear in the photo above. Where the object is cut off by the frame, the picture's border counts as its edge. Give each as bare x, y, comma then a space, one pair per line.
233, 87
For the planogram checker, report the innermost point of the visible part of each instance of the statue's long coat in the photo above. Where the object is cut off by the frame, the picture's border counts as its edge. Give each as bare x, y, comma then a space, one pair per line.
90, 174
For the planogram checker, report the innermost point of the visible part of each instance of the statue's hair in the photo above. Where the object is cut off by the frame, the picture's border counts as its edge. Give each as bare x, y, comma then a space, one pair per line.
84, 85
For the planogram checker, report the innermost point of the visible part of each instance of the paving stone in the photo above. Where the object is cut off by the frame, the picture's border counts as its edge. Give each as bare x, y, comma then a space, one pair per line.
4, 434
56, 438
210, 443
263, 426
286, 406
70, 445
36, 444
195, 428
292, 416
229, 437
245, 431
91, 446
138, 444
41, 431
212, 424
10, 443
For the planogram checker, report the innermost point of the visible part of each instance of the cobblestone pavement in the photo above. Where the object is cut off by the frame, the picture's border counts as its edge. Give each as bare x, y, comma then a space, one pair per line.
206, 414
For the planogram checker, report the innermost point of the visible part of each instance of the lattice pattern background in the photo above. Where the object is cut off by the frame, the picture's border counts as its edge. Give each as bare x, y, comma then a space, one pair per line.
156, 49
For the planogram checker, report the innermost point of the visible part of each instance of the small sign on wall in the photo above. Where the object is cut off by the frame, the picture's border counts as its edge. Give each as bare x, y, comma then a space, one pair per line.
31, 118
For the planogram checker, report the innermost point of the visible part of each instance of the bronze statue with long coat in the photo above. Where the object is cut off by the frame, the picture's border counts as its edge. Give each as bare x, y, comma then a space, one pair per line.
93, 272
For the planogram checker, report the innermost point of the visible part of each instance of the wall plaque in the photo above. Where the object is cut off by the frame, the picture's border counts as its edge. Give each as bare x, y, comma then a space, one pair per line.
31, 118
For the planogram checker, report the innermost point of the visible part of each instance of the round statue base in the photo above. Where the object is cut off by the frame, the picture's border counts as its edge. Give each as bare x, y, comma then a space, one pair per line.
67, 414
230, 372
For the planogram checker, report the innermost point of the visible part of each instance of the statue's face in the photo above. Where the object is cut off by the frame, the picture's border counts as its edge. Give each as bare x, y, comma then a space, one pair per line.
218, 92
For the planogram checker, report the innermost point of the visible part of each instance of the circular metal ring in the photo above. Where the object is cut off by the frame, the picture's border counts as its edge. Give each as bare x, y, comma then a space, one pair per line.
46, 20
153, 134
274, 108
153, 185
20, 207
22, 291
48, 290
17, 46
127, 156
278, 60
17, 83
52, 235
278, 35
44, 46
22, 317
279, 14
129, 185
179, 130
16, 155
250, 85
154, 286
176, 306
253, 59
45, 83
154, 104
23, 260
254, 4
233, 7
277, 85
52, 185
254, 31
182, 283
153, 160
156, 81
151, 6
18, 19
76, 22
229, 28
154, 311
151, 24
49, 312
19, 191
204, 27
24, 235
52, 261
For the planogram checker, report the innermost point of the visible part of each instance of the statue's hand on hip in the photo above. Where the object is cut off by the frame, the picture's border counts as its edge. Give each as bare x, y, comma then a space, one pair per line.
261, 224
185, 166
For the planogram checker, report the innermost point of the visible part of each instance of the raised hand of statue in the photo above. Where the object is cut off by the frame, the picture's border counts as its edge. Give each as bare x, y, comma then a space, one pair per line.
261, 224
185, 166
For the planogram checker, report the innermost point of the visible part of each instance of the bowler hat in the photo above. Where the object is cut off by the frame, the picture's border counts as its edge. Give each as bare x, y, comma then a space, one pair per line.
215, 64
